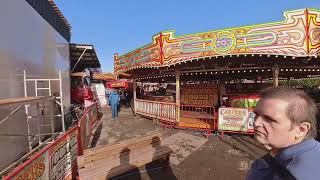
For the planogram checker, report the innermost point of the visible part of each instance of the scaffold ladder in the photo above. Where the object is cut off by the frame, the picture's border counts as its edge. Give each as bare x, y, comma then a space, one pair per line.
37, 87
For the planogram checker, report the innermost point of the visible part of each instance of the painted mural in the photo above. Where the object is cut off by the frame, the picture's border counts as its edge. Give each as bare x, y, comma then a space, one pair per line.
287, 38
313, 29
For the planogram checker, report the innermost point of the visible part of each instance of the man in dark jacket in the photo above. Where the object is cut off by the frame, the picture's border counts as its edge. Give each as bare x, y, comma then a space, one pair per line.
285, 124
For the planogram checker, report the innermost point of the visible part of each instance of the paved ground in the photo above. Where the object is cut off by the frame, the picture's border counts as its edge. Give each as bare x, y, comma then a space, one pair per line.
212, 158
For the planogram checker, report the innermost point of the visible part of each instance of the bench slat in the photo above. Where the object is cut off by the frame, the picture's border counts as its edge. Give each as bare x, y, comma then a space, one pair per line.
138, 163
86, 159
114, 161
101, 169
121, 144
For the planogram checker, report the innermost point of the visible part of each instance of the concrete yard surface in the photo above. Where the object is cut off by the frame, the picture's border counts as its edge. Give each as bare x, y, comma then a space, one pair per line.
194, 156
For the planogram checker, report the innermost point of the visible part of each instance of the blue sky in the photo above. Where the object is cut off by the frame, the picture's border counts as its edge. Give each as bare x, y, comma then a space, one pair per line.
118, 26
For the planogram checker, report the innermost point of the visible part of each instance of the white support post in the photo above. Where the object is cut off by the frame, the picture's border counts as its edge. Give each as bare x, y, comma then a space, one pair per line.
51, 116
36, 87
134, 95
178, 95
50, 88
26, 109
39, 128
58, 100
289, 81
61, 103
276, 76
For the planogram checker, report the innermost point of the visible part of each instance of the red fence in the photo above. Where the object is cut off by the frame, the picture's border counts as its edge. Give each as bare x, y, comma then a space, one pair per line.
58, 160
178, 116
162, 111
200, 118
197, 118
87, 123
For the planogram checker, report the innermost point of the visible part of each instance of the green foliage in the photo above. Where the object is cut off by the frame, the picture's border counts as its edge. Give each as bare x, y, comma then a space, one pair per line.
304, 83
244, 103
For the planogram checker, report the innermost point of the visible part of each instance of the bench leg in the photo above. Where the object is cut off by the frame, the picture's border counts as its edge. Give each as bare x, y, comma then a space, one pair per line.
167, 160
167, 167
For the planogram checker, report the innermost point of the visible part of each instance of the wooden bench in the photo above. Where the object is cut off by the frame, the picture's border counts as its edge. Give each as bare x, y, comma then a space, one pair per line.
114, 159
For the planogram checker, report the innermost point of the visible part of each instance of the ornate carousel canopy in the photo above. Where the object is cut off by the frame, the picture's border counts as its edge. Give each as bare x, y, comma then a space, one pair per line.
292, 44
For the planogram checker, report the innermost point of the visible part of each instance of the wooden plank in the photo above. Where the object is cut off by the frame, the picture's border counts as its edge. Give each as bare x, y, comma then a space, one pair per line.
101, 172
95, 154
117, 150
78, 74
107, 157
120, 144
115, 160
138, 162
22, 100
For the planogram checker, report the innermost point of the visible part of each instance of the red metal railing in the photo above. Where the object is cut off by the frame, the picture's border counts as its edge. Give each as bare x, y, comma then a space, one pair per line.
198, 118
72, 143
195, 117
157, 110
87, 123
179, 116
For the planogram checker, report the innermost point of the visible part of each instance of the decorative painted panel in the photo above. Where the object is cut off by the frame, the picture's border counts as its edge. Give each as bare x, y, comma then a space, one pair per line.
314, 31
149, 55
287, 38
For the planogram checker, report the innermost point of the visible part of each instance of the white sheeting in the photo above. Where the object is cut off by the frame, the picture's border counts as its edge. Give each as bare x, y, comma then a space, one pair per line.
100, 90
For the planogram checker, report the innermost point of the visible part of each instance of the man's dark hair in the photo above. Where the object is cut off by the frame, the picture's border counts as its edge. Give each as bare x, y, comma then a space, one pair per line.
301, 107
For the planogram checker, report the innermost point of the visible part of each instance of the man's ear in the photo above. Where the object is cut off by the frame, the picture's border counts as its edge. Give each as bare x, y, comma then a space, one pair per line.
302, 129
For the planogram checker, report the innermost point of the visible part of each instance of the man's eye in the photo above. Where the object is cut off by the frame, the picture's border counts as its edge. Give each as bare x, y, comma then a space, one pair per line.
270, 120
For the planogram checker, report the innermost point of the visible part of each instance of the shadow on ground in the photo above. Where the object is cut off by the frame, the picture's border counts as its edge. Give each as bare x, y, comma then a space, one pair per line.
222, 159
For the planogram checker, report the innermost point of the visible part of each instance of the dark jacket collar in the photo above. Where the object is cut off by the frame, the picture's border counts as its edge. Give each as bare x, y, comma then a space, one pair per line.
296, 149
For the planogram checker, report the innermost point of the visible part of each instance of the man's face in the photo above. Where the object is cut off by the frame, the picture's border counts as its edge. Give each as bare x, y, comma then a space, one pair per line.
272, 126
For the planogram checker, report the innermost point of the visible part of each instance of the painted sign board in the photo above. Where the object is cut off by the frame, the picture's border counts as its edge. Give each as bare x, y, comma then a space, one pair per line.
235, 119
55, 161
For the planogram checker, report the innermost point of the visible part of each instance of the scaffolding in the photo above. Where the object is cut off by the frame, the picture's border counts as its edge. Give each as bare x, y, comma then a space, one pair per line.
44, 85
18, 104
21, 102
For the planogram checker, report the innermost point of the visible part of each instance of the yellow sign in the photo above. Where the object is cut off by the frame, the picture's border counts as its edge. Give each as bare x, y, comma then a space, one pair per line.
33, 171
118, 84
233, 119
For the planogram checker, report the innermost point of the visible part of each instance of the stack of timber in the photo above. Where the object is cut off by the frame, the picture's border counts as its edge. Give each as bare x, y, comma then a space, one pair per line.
114, 159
